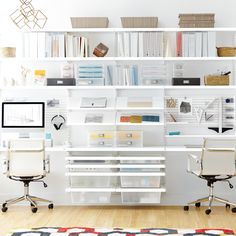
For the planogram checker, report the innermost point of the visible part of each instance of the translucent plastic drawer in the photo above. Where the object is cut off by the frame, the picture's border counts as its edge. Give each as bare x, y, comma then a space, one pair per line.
140, 181
141, 197
101, 138
136, 161
129, 138
91, 197
90, 181
90, 82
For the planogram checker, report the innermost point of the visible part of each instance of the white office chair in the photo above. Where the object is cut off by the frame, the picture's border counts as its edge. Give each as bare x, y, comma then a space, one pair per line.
216, 163
26, 162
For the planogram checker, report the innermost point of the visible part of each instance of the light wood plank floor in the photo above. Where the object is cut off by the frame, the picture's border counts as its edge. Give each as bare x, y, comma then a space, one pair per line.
129, 217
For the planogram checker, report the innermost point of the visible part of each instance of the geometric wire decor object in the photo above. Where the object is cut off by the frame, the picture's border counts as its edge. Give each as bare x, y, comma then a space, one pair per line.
27, 16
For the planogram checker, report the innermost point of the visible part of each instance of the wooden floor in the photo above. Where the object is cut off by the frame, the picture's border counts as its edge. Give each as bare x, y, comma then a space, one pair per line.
129, 217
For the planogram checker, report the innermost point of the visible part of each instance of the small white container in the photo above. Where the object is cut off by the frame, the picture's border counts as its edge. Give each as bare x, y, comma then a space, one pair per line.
91, 197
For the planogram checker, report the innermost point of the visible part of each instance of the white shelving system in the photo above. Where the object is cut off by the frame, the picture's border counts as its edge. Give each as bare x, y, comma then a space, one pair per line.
128, 174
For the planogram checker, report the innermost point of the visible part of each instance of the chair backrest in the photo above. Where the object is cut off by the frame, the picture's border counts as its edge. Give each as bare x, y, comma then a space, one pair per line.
218, 157
26, 158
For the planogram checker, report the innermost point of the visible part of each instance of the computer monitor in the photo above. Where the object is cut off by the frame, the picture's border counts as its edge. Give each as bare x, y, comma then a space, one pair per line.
23, 115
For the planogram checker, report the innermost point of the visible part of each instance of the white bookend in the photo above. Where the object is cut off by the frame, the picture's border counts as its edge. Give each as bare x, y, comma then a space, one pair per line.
211, 44
41, 44
78, 53
33, 40
75, 46
198, 52
86, 45
191, 44
140, 43
120, 45
61, 45
26, 49
204, 44
185, 43
134, 44
160, 44
48, 45
127, 44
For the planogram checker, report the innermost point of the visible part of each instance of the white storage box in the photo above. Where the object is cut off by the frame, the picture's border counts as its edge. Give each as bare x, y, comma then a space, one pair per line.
90, 181
91, 197
129, 138
140, 181
90, 82
141, 197
101, 138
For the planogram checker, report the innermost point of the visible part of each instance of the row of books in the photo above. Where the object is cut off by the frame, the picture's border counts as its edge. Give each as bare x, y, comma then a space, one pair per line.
140, 44
127, 75
54, 45
196, 44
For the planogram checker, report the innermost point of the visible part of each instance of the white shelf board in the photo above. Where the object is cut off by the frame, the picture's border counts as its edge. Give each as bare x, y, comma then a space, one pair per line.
91, 109
131, 190
102, 59
182, 149
139, 108
113, 30
201, 136
116, 166
170, 87
116, 124
115, 174
133, 158
115, 149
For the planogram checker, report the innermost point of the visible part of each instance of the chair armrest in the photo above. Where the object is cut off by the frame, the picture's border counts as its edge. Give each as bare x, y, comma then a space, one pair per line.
47, 164
194, 163
5, 165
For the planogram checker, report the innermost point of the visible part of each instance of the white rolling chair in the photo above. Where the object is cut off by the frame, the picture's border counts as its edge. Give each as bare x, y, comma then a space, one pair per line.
216, 163
26, 163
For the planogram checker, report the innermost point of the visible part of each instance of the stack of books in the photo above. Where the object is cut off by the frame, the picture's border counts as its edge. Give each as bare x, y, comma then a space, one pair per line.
76, 46
204, 20
140, 44
196, 44
90, 75
44, 44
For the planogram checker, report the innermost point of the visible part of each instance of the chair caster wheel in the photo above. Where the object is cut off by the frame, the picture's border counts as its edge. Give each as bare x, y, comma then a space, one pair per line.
34, 209
233, 210
4, 209
4, 205
198, 204
50, 206
208, 211
227, 206
32, 205
186, 208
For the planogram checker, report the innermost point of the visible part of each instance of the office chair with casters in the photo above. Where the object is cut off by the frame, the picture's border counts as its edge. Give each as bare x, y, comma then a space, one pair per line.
216, 163
26, 163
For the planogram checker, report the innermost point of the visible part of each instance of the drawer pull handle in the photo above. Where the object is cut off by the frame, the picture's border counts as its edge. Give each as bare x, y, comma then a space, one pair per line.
101, 143
130, 143
129, 135
101, 135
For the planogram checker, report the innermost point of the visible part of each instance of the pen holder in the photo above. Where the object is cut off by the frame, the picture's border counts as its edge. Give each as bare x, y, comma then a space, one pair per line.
216, 80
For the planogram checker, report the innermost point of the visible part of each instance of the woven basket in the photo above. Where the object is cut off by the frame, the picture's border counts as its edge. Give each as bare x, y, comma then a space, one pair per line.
226, 52
7, 52
216, 80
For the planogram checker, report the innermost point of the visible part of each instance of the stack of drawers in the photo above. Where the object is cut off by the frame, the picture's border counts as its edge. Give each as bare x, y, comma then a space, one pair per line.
115, 138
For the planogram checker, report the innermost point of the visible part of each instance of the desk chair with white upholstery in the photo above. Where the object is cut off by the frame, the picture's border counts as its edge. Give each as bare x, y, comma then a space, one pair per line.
26, 162
216, 163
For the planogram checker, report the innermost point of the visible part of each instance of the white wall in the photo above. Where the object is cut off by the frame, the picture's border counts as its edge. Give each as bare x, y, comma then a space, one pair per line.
59, 11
